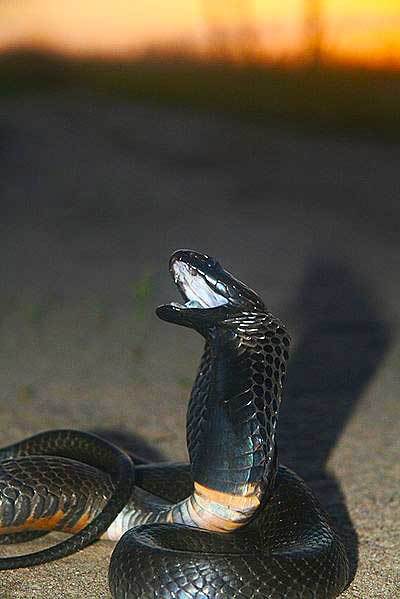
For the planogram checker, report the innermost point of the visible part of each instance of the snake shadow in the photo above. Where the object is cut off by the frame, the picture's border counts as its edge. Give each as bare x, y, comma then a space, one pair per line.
342, 343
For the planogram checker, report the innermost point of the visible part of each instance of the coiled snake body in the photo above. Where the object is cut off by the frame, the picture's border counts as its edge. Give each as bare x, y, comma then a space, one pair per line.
232, 523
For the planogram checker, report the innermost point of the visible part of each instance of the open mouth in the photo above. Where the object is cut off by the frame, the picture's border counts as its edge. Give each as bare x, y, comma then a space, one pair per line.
195, 286
209, 291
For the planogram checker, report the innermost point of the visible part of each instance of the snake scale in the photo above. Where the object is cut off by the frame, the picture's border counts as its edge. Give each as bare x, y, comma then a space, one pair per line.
233, 523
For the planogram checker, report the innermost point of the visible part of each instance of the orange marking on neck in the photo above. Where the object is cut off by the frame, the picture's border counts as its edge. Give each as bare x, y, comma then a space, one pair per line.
251, 498
223, 512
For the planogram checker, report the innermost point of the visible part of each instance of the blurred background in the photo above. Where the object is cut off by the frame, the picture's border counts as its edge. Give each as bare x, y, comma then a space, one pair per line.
319, 63
359, 32
265, 133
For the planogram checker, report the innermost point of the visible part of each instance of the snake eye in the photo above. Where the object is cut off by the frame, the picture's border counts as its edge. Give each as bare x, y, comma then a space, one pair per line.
192, 271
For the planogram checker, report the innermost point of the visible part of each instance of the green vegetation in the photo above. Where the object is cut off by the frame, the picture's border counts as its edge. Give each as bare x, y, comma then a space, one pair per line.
142, 294
25, 393
37, 312
102, 313
324, 99
184, 382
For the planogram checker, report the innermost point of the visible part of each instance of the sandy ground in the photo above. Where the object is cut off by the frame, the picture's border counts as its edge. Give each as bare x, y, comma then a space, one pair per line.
94, 197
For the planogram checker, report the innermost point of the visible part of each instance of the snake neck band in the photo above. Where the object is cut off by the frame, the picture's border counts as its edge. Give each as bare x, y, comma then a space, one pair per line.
214, 510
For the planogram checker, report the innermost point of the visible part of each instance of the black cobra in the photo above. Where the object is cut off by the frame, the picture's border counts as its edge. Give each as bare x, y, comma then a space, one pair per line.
232, 523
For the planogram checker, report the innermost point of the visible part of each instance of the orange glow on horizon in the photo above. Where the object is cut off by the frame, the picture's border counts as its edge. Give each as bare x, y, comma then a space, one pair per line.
363, 31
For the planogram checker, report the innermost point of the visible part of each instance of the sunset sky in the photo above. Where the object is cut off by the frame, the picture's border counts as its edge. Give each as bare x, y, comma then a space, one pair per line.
361, 30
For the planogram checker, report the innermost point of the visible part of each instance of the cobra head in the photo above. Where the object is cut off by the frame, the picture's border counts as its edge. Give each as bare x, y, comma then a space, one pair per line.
210, 293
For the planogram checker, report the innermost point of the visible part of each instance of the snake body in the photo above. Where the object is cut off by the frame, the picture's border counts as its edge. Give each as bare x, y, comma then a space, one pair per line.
231, 524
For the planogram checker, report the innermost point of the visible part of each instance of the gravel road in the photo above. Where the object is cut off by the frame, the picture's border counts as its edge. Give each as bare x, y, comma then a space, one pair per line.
95, 194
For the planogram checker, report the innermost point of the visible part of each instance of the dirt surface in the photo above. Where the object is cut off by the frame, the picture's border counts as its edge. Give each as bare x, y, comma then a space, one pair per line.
94, 197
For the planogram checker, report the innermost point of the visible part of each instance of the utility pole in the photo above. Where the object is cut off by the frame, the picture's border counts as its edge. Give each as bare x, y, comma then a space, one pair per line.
313, 31
231, 28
